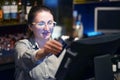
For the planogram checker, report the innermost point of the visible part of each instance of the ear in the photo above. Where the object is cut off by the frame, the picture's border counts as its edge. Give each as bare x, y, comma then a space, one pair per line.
30, 27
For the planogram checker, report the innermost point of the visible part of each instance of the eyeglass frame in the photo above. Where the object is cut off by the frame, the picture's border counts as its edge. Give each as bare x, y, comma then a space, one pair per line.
43, 24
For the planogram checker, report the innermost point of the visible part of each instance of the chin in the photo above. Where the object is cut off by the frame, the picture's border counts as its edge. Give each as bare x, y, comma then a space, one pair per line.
47, 37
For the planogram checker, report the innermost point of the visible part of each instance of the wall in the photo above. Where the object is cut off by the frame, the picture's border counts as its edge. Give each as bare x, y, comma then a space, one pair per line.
87, 11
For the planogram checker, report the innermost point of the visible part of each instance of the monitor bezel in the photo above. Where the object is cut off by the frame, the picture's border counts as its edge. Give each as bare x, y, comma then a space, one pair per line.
96, 20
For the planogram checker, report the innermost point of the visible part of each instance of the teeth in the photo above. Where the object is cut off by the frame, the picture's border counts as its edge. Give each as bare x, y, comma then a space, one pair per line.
45, 32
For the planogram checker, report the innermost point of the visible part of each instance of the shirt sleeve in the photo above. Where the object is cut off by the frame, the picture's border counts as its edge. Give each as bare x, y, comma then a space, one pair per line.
25, 55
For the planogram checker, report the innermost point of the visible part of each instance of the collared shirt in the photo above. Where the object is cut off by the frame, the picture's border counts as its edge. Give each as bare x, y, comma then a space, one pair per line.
27, 68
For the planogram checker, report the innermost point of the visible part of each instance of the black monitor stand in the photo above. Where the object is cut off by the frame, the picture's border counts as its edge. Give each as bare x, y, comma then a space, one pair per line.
103, 67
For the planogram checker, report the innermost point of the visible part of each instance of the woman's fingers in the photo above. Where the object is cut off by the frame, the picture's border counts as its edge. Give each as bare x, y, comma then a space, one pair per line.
53, 46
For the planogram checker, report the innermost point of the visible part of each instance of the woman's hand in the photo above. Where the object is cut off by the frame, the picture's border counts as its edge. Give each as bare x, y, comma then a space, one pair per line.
51, 46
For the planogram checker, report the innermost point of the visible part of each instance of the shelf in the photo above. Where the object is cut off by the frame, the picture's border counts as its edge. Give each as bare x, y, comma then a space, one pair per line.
7, 66
84, 1
14, 24
13, 28
6, 59
92, 1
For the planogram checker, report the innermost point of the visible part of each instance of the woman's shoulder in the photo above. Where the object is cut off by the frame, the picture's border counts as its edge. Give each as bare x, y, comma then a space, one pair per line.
26, 41
23, 41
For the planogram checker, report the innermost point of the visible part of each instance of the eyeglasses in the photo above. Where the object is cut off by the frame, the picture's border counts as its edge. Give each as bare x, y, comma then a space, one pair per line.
43, 24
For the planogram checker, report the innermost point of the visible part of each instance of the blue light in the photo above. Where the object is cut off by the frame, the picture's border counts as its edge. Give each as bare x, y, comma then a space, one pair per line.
89, 34
51, 3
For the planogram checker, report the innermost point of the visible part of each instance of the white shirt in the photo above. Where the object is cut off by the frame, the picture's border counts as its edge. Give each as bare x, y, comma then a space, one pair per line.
29, 69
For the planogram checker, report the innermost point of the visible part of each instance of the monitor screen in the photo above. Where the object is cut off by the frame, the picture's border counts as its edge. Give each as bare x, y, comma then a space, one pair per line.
107, 19
78, 62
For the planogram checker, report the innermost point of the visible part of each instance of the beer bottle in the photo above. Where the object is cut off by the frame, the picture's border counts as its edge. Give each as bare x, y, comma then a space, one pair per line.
1, 13
6, 12
13, 12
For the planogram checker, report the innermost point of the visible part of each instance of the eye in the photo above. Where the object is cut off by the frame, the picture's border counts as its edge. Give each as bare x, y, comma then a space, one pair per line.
54, 23
50, 23
41, 23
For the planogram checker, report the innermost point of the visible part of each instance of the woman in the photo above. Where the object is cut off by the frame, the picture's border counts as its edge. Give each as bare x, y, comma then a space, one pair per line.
35, 57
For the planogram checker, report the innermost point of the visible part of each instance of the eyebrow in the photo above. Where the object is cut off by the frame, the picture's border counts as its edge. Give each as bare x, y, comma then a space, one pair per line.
43, 21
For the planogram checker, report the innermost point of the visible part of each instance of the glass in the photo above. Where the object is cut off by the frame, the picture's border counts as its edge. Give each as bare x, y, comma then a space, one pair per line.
43, 24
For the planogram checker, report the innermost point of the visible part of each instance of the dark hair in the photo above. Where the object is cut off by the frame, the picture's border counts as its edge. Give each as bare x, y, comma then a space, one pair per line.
36, 9
32, 14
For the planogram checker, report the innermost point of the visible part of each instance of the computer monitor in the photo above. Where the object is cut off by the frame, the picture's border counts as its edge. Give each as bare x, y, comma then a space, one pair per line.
78, 62
107, 19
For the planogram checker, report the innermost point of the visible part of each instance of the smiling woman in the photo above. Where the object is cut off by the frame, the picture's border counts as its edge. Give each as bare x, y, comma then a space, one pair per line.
35, 57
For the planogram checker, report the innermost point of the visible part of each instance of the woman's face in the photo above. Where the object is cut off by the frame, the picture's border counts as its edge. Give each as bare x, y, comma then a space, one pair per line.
43, 25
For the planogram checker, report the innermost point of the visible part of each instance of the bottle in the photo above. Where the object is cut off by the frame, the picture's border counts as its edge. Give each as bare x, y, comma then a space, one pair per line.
19, 6
21, 12
28, 7
13, 11
74, 33
1, 13
75, 14
22, 15
35, 3
19, 9
6, 12
114, 63
118, 63
79, 27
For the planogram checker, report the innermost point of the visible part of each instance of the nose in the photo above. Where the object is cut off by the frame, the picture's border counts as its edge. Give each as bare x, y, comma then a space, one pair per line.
46, 27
